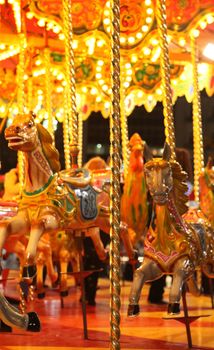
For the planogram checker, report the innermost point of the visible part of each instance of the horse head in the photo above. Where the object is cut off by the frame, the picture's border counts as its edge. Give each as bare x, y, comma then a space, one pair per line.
158, 175
136, 147
209, 174
22, 133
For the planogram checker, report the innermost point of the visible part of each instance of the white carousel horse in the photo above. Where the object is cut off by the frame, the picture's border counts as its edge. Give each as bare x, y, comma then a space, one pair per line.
172, 246
51, 200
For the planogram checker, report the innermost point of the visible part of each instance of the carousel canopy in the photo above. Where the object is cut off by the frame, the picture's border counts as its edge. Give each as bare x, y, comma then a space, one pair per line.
36, 26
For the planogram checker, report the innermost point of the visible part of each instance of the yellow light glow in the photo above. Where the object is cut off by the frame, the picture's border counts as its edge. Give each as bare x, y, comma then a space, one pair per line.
202, 68
98, 75
106, 21
126, 84
59, 89
41, 22
131, 40
203, 24
146, 51
122, 40
156, 54
182, 41
98, 99
90, 44
140, 94
195, 33
84, 89
100, 43
139, 35
134, 58
38, 62
159, 91
209, 51
154, 42
149, 11
145, 28
128, 65
29, 15
105, 87
61, 36
2, 46
100, 63
210, 19
148, 20
148, 2
93, 91
56, 29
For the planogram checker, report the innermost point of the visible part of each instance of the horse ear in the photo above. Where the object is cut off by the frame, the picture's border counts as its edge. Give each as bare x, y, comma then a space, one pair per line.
147, 153
166, 152
209, 163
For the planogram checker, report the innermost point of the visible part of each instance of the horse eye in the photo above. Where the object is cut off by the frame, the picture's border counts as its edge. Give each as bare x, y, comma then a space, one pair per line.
30, 124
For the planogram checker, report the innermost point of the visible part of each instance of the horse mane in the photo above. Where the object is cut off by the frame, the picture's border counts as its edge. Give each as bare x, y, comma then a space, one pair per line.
50, 152
179, 187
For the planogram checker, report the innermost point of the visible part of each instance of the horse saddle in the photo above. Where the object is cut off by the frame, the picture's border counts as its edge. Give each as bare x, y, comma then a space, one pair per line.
79, 177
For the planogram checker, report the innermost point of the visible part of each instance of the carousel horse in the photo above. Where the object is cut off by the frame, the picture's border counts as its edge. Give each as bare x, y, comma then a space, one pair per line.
172, 245
17, 244
135, 205
206, 184
52, 200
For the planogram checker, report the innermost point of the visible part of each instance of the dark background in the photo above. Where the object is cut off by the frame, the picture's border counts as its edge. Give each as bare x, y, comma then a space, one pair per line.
149, 125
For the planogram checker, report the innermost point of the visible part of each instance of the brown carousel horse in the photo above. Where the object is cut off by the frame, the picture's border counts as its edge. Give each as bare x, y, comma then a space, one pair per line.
172, 245
206, 182
51, 200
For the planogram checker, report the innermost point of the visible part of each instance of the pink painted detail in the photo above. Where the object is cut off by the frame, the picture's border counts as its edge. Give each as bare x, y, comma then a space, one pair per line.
159, 254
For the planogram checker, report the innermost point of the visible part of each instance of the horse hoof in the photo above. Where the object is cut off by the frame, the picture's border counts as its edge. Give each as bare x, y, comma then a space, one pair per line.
133, 310
4, 328
41, 295
173, 308
64, 293
29, 272
33, 322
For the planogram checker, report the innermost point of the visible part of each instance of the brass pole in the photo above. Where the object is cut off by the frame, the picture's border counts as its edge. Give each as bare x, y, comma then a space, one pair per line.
198, 150
115, 183
71, 107
165, 76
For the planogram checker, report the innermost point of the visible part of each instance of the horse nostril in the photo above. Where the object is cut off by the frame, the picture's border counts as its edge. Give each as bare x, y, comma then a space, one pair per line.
17, 128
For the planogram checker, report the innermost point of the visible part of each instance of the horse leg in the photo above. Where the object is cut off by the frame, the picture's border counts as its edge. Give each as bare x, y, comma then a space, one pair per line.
40, 263
103, 223
45, 247
183, 269
94, 233
19, 225
148, 271
46, 223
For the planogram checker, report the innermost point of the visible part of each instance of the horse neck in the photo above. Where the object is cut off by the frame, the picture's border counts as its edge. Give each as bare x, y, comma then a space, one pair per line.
168, 219
37, 170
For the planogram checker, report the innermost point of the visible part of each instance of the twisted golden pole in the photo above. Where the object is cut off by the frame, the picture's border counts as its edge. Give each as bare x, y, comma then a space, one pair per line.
80, 139
198, 149
124, 125
20, 100
70, 82
165, 76
48, 90
66, 139
115, 182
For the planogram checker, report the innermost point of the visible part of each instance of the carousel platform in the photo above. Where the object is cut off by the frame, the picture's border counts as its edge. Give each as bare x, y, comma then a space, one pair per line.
62, 327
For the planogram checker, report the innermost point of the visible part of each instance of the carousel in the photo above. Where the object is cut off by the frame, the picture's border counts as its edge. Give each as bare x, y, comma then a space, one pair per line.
67, 230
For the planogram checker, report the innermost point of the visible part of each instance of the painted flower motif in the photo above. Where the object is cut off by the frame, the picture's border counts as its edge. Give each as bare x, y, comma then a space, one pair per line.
87, 14
182, 11
131, 16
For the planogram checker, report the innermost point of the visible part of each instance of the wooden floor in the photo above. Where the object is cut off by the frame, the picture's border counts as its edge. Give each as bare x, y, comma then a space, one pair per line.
62, 328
